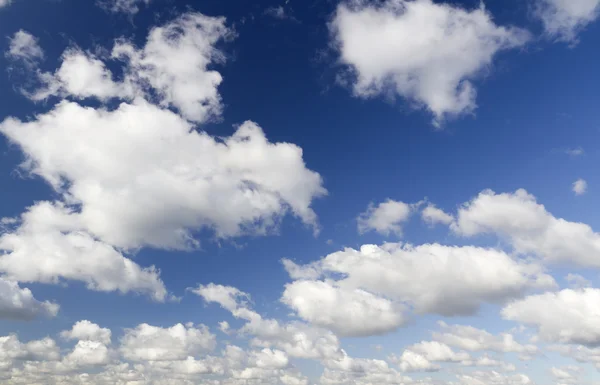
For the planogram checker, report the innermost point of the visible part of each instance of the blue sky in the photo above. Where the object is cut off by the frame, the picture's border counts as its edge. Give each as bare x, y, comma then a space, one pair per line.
365, 192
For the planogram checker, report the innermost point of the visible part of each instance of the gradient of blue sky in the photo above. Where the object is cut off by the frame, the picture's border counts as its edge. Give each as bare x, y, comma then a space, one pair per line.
535, 127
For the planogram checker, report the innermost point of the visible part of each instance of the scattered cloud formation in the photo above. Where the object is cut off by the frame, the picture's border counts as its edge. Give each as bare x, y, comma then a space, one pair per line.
415, 49
563, 20
580, 187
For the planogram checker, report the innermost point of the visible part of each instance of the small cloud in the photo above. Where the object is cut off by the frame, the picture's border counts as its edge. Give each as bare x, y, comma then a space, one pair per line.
329, 242
280, 13
580, 187
577, 151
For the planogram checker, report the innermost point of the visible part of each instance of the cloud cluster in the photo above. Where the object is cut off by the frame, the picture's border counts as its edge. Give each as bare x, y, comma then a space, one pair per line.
415, 49
136, 171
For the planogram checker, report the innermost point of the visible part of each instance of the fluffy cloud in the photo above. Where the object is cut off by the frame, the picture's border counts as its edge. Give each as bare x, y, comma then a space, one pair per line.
564, 19
294, 338
476, 340
86, 330
385, 218
579, 322
433, 215
152, 343
48, 244
580, 187
529, 227
19, 304
422, 356
143, 177
415, 49
348, 312
24, 46
432, 278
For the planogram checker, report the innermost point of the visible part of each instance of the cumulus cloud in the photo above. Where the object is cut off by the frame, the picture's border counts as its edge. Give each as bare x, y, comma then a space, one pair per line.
433, 216
143, 177
48, 245
385, 218
529, 228
86, 330
25, 47
579, 315
432, 278
415, 49
348, 312
580, 187
564, 19
147, 342
424, 355
18, 303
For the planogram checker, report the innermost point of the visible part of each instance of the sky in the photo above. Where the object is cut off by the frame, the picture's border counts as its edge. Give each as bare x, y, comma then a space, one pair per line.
320, 192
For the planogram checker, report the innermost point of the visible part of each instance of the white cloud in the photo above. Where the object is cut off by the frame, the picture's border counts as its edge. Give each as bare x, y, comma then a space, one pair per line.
415, 49
385, 218
24, 46
579, 321
174, 62
564, 19
38, 350
48, 244
433, 215
130, 7
4, 3
422, 356
88, 353
86, 330
432, 278
19, 304
493, 378
144, 178
82, 75
475, 340
295, 339
153, 343
528, 227
348, 312
580, 187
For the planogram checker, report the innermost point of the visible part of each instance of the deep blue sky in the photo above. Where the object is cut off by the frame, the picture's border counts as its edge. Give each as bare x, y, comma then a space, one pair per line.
534, 103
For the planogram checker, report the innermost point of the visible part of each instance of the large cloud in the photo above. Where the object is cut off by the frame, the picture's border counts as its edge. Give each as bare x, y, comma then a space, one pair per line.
348, 312
144, 177
416, 49
432, 278
529, 227
579, 320
48, 244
